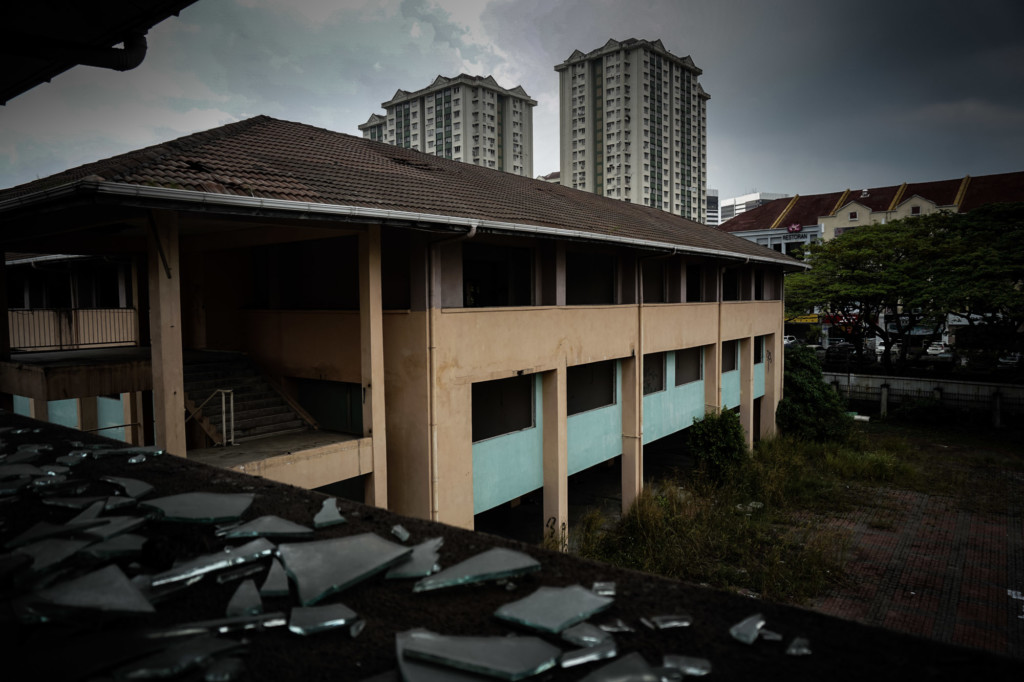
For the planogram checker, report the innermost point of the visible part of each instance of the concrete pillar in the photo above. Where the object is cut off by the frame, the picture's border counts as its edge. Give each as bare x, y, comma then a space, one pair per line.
883, 409
371, 325
39, 409
632, 433
746, 350
131, 403
712, 378
88, 413
165, 333
773, 363
556, 456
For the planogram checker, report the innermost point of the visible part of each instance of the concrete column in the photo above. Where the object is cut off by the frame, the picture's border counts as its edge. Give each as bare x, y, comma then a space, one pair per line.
556, 455
131, 403
883, 409
39, 409
773, 363
371, 324
88, 413
747, 388
632, 433
712, 378
165, 333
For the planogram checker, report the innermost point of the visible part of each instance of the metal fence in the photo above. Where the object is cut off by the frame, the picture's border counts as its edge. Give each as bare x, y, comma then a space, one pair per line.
70, 328
965, 396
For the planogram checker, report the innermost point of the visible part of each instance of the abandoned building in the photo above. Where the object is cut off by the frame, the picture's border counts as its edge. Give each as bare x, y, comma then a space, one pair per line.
447, 336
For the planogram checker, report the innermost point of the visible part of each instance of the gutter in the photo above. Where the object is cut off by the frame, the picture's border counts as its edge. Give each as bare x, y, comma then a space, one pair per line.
117, 189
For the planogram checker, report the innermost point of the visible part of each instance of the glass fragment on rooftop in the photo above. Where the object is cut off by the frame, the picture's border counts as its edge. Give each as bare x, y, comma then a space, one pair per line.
268, 527
422, 562
585, 634
590, 654
681, 620
17, 470
323, 567
207, 563
508, 658
178, 658
688, 665
54, 469
132, 487
617, 625
45, 529
412, 670
93, 511
308, 620
114, 525
552, 609
605, 588
72, 502
748, 629
770, 636
46, 481
12, 486
225, 669
245, 601
73, 458
328, 514
399, 531
238, 573
800, 646
276, 582
124, 545
357, 628
138, 459
201, 507
149, 451
493, 564
107, 589
221, 626
631, 668
50, 552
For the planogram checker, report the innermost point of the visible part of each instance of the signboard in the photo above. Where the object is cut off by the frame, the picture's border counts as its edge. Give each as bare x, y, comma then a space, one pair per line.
795, 227
804, 319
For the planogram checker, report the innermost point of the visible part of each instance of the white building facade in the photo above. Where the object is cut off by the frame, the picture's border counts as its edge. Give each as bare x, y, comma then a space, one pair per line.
633, 126
733, 206
465, 118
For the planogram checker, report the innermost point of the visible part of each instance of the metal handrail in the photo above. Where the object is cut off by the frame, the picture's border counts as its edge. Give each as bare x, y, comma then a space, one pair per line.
227, 400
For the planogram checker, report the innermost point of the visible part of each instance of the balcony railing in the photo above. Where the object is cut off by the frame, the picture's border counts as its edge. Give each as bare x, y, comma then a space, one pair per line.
41, 329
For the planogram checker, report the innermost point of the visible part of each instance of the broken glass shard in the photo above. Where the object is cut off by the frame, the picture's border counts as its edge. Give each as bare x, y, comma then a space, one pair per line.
748, 629
93, 511
422, 562
12, 486
178, 658
605, 588
323, 567
223, 669
46, 481
245, 601
54, 469
276, 582
149, 450
72, 458
494, 564
328, 514
44, 529
598, 652
688, 665
357, 628
585, 634
238, 573
552, 609
307, 620
137, 459
412, 670
800, 646
399, 531
617, 625
770, 636
681, 620
631, 668
50, 552
107, 589
221, 626
202, 507
252, 551
132, 487
114, 525
119, 546
509, 658
267, 527
17, 470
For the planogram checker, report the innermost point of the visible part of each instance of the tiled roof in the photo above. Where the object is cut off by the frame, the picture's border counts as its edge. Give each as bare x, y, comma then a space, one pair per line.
273, 159
807, 210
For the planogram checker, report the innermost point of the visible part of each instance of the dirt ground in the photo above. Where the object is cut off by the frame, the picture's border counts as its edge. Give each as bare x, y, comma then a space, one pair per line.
91, 645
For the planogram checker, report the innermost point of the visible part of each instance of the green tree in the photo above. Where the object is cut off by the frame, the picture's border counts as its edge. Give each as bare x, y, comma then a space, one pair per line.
810, 409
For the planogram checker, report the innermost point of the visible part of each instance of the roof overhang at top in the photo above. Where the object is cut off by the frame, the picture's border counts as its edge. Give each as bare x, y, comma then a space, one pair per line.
96, 192
42, 39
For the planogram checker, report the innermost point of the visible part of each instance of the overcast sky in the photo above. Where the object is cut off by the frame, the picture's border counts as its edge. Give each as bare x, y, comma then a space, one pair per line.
807, 96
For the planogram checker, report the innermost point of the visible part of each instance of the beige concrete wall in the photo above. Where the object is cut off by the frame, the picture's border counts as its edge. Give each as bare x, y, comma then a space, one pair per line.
741, 319
316, 466
672, 326
311, 344
842, 219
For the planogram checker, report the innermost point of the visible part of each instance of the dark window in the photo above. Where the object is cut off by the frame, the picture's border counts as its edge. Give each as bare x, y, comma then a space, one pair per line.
589, 387
321, 274
653, 281
502, 406
694, 284
589, 278
730, 355
758, 349
689, 365
758, 285
654, 373
496, 276
731, 284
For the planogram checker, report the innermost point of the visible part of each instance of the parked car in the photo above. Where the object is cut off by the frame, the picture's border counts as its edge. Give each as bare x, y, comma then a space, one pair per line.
896, 346
1009, 360
937, 348
788, 340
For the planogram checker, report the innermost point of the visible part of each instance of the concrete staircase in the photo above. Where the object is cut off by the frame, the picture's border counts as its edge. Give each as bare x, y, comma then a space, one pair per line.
261, 410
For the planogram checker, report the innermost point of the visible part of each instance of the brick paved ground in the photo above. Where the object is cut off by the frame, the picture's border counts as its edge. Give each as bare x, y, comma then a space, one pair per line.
921, 565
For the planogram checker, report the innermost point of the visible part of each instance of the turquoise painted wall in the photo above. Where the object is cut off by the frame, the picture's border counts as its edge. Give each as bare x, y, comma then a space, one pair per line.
595, 436
759, 380
731, 389
505, 467
673, 409
110, 412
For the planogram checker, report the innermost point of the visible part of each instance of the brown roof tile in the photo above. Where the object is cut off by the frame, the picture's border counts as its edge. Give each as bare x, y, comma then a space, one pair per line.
271, 158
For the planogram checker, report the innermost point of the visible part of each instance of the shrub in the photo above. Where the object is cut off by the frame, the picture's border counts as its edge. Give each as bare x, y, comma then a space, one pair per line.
810, 408
718, 443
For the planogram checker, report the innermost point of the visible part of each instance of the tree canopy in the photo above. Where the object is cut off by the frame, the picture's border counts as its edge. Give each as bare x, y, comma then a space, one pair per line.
883, 280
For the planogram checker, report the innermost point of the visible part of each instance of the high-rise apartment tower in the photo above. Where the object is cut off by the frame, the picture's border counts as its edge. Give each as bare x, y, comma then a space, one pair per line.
633, 126
466, 118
